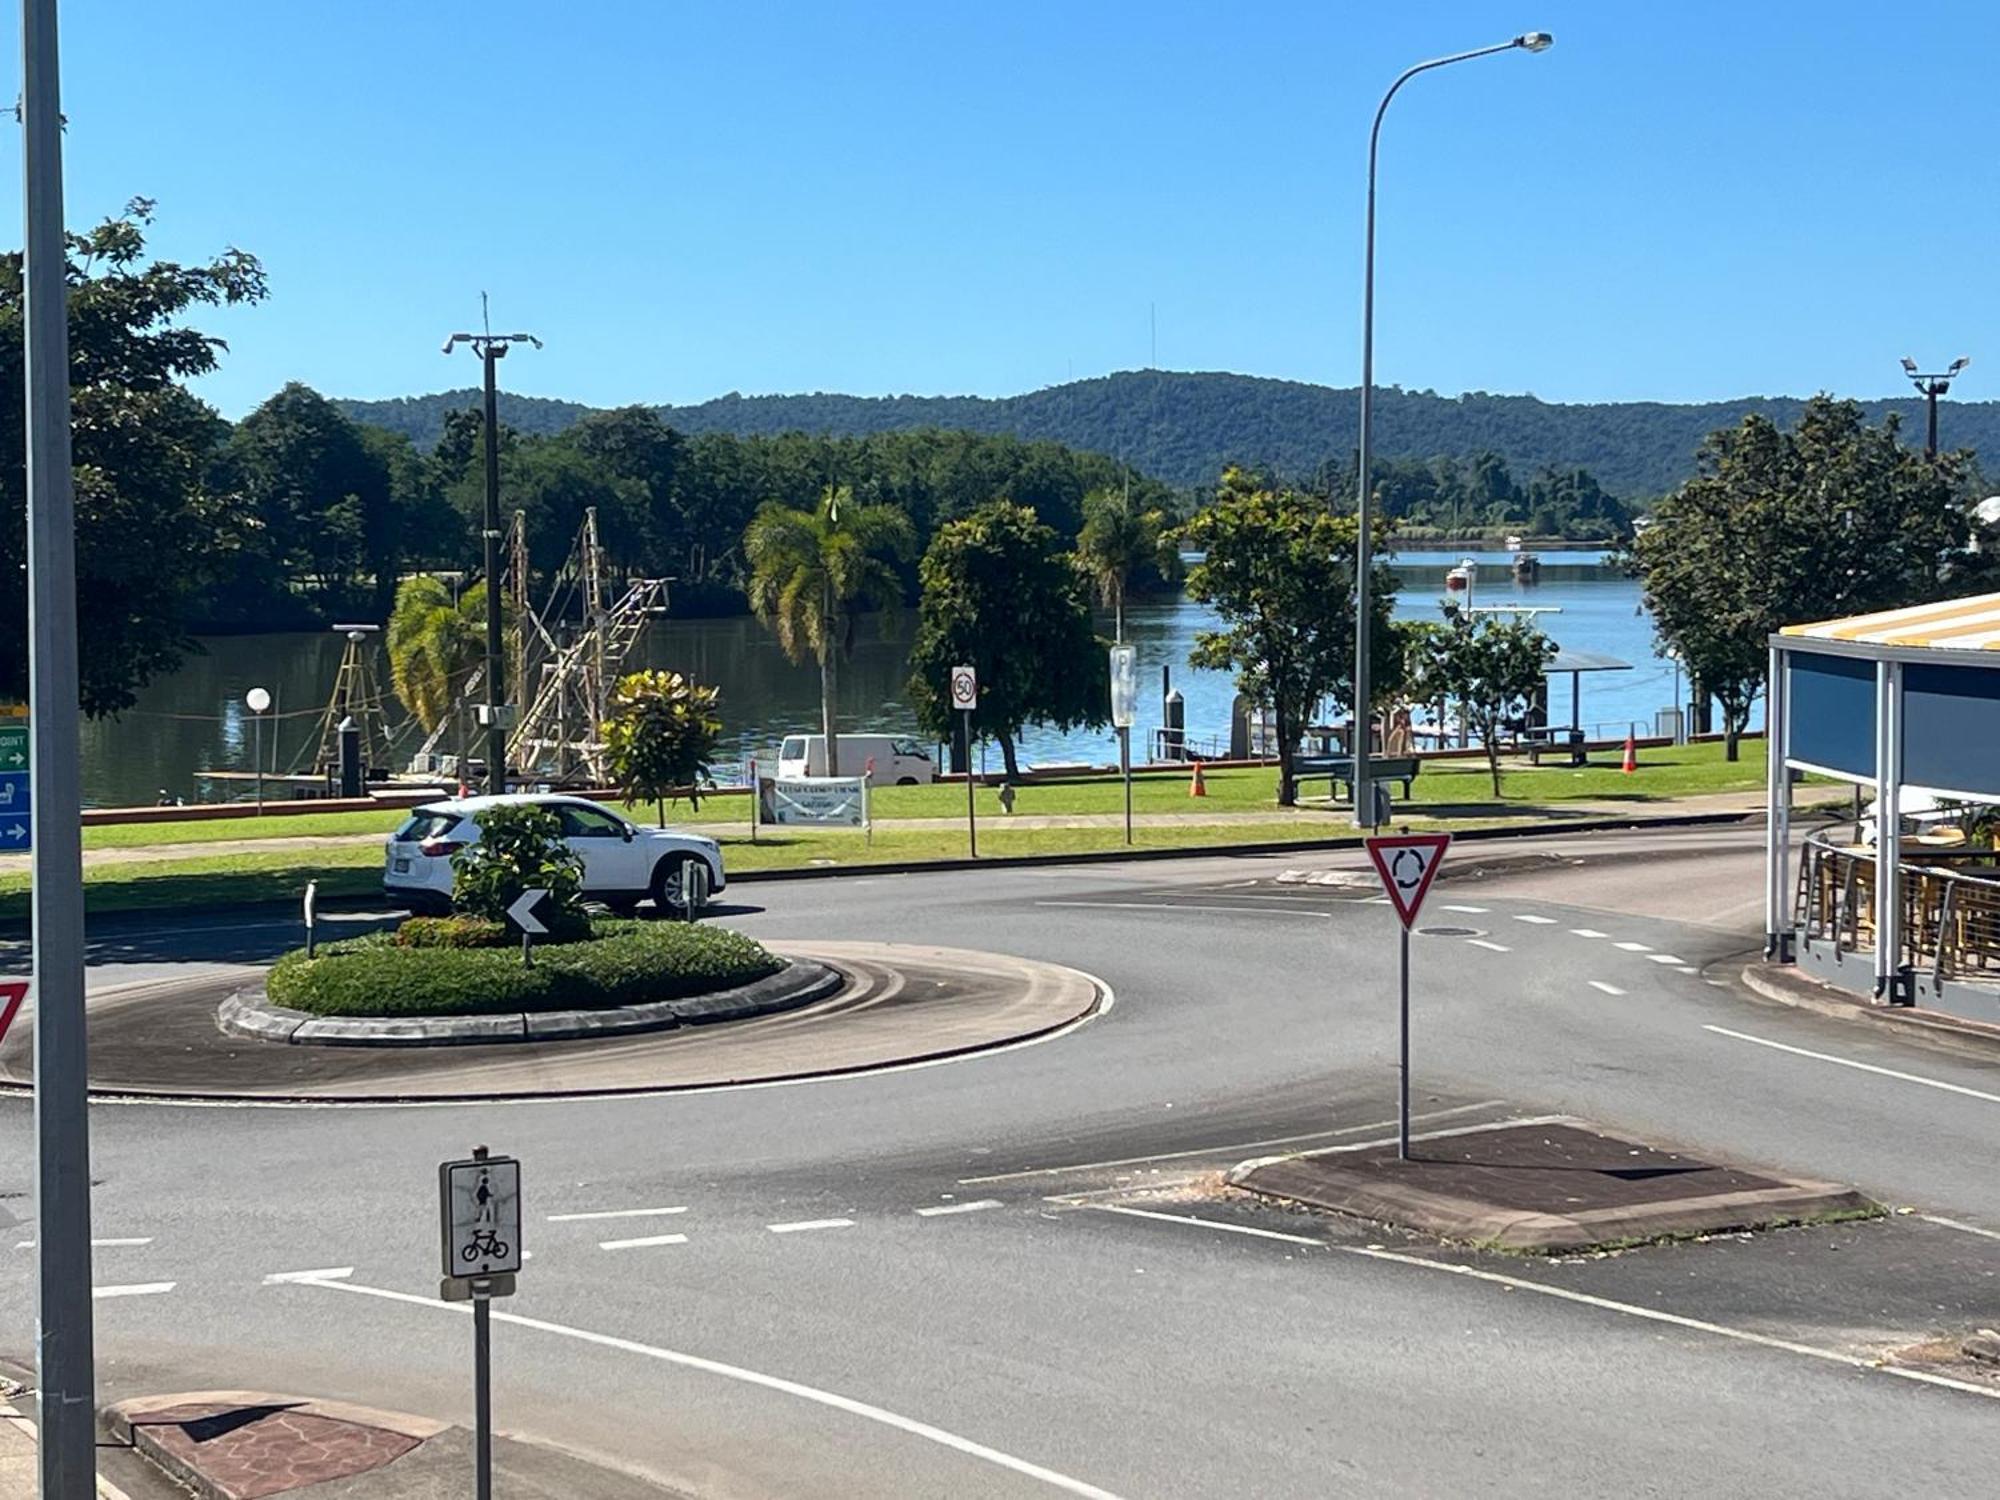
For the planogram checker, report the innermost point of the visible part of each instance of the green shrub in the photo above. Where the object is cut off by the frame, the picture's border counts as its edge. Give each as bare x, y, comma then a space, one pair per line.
520, 849
454, 932
625, 963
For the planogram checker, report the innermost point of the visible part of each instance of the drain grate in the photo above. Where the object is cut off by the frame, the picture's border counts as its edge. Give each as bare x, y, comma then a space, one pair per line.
1449, 931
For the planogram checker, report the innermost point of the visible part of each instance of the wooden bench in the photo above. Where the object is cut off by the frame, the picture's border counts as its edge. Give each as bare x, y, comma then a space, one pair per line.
1339, 771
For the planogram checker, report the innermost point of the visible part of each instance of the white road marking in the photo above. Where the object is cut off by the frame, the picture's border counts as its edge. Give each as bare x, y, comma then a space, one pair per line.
640, 1244
1262, 1234
1374, 900
1533, 920
1989, 1234
1848, 1062
1633, 947
96, 1244
1587, 932
958, 1208
1609, 989
1282, 911
836, 1402
330, 1273
617, 1213
1677, 1320
1687, 969
136, 1289
1666, 958
1469, 911
804, 1224
1227, 1149
1490, 947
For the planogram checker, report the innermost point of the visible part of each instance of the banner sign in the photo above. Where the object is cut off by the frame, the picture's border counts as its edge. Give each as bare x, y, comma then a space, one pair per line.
827, 801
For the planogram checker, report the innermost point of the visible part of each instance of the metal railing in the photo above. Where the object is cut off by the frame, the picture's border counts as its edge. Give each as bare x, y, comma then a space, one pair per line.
1950, 903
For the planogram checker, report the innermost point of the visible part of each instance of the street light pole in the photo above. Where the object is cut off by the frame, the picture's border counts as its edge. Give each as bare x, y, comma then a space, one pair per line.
491, 348
64, 1355
1933, 386
1364, 792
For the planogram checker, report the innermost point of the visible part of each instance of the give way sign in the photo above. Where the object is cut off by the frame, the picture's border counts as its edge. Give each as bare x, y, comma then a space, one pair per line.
1407, 863
12, 993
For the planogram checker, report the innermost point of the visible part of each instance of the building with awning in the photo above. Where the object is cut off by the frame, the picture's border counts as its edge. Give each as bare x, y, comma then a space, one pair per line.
1906, 703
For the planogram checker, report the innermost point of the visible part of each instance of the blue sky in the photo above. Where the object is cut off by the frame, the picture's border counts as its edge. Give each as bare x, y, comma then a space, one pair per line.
1678, 201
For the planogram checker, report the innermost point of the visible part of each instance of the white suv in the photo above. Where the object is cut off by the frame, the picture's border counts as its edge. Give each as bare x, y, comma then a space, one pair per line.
623, 862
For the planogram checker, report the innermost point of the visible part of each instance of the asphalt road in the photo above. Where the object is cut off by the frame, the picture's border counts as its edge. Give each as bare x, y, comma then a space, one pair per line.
1016, 1275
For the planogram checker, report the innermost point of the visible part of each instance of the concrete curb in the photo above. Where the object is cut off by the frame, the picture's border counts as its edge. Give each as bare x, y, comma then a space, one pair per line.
1785, 985
801, 982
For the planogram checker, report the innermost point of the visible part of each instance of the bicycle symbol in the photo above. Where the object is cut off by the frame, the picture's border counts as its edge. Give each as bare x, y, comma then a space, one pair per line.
484, 1245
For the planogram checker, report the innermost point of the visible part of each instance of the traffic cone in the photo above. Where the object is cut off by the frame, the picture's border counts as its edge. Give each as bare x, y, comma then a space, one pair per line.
1631, 754
1195, 787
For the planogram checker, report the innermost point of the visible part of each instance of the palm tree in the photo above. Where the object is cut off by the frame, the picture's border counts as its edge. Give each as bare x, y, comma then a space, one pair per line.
1115, 542
812, 572
435, 646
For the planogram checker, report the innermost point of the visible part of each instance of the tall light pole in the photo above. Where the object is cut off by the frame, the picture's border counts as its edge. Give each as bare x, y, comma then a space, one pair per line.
64, 1356
1364, 791
491, 349
1933, 386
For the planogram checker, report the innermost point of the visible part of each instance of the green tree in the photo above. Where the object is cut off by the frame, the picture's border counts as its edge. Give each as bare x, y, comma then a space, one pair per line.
661, 736
435, 645
520, 848
812, 572
1494, 668
153, 534
1279, 570
1830, 518
1118, 541
1001, 595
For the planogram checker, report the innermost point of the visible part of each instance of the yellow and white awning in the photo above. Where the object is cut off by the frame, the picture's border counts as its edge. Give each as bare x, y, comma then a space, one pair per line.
1971, 624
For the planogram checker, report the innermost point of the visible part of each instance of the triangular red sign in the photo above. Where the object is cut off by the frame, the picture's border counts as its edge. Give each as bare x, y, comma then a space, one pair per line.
12, 993
1407, 863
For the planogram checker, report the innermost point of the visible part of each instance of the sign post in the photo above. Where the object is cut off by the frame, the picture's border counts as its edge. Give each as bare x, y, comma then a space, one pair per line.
479, 1203
258, 701
17, 813
1124, 708
311, 905
1407, 863
965, 698
526, 916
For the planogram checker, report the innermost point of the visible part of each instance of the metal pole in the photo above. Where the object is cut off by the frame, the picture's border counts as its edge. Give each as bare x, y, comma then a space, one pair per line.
259, 718
63, 1332
971, 817
1125, 770
482, 1395
1403, 1081
496, 732
1931, 390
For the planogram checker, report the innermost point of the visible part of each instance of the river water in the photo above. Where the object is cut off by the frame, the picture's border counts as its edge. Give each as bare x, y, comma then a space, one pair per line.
195, 719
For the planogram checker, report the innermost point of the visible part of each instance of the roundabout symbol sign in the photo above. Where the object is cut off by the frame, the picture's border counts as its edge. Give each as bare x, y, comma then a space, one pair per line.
1407, 863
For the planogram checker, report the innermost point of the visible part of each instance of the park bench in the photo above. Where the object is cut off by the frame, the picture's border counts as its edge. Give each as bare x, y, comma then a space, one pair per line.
1339, 771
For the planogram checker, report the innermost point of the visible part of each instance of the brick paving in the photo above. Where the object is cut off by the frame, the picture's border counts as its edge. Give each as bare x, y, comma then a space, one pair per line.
247, 1452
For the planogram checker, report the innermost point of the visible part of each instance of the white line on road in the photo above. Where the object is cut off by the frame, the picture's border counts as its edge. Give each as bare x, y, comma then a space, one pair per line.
1633, 947
617, 1213
804, 1224
848, 1404
958, 1208
1666, 958
1469, 911
330, 1273
1938, 1219
1282, 911
640, 1244
1490, 947
1609, 989
1533, 920
1226, 1149
96, 1244
1587, 932
1848, 1062
1262, 1234
136, 1289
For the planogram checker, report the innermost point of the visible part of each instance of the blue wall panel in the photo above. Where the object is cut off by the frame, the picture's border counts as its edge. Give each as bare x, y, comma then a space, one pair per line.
1951, 727
1832, 707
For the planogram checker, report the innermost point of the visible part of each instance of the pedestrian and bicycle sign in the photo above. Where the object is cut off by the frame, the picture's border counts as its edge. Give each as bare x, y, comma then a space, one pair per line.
480, 1203
17, 823
1407, 863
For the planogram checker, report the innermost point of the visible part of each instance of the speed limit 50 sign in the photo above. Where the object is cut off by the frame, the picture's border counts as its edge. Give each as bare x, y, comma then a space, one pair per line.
964, 689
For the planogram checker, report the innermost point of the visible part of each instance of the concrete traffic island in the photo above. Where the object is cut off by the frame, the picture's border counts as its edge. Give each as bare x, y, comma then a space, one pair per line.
1549, 1186
837, 1008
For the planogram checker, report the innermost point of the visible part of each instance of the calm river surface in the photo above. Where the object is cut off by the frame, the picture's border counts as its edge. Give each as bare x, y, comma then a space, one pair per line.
195, 720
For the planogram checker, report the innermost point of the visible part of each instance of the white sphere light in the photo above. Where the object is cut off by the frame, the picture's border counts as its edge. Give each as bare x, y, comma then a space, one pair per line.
258, 699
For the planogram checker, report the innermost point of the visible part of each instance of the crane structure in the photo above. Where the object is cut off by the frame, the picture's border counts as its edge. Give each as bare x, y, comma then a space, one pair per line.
357, 695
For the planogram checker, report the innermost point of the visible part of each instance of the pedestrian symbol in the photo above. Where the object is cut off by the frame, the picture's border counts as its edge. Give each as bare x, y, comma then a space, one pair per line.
481, 1203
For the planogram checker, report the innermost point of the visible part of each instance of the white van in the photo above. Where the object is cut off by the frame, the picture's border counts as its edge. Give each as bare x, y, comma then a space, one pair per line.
899, 760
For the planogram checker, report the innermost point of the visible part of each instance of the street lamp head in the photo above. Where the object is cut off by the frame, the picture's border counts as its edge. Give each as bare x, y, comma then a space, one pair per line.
1535, 41
1909, 365
257, 700
1959, 364
455, 340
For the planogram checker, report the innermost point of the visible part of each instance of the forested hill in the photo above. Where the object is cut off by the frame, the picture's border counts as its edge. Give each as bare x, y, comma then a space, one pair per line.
1183, 428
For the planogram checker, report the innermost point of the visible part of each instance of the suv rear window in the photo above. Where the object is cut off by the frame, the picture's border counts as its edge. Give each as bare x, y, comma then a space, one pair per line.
793, 748
426, 823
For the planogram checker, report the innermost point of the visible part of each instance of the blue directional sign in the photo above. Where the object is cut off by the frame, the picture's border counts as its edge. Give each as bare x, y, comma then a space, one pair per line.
17, 824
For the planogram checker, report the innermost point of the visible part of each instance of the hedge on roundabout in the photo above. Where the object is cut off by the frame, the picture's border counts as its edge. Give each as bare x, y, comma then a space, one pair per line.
458, 966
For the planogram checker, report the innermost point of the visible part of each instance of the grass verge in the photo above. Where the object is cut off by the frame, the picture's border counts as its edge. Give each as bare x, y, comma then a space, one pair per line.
626, 963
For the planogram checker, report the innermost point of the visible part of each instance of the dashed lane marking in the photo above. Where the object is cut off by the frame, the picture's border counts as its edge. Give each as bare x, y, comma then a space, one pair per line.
973, 1207
1468, 911
1282, 911
1489, 947
1848, 1062
135, 1289
1634, 947
1609, 989
1667, 958
1534, 921
329, 1273
645, 1242
802, 1225
910, 1426
617, 1213
1587, 932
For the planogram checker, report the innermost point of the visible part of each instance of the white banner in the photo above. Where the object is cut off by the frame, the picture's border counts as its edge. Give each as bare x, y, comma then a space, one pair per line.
829, 801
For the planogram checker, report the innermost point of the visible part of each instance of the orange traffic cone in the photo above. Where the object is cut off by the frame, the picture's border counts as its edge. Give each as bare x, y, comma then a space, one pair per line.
1631, 754
1195, 788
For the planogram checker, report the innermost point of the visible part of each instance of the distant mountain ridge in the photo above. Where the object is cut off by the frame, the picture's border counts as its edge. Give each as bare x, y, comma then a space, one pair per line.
1184, 427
